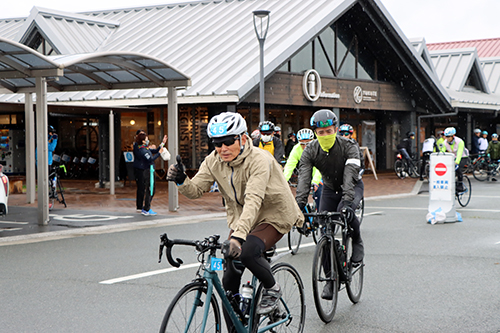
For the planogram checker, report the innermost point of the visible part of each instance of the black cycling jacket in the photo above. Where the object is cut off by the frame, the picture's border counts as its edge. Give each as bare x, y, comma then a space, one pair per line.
339, 167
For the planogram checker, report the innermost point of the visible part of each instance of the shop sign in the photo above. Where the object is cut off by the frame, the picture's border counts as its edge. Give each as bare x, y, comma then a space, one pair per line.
361, 95
311, 87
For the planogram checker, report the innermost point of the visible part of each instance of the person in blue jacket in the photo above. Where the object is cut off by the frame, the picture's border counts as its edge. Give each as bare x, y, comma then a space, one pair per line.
52, 144
144, 157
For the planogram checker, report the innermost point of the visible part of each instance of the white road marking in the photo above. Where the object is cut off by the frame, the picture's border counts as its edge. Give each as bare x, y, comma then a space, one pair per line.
497, 243
9, 222
10, 229
87, 218
373, 213
173, 269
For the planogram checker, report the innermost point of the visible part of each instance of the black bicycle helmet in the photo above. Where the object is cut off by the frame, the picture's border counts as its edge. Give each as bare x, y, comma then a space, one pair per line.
51, 129
266, 127
323, 118
410, 134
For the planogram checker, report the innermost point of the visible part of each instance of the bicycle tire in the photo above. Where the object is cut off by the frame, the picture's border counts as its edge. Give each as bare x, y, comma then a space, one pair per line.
294, 239
427, 170
481, 171
413, 170
325, 308
354, 283
292, 301
360, 210
175, 318
399, 169
464, 197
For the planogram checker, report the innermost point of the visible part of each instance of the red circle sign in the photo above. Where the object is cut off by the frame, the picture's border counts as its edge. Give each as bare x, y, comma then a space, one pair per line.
440, 169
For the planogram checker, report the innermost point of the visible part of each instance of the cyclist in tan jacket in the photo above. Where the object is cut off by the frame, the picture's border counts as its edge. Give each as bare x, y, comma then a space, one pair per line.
260, 206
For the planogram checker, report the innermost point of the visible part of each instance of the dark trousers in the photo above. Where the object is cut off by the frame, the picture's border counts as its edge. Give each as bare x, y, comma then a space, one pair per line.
143, 195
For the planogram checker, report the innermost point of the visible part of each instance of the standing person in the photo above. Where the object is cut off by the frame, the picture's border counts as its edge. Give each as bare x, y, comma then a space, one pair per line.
456, 146
269, 142
440, 140
475, 141
493, 150
52, 142
337, 158
305, 136
428, 147
277, 132
144, 158
292, 141
260, 207
483, 142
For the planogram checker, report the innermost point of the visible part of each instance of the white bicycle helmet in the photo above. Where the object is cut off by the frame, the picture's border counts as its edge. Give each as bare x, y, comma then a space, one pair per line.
305, 134
449, 131
226, 123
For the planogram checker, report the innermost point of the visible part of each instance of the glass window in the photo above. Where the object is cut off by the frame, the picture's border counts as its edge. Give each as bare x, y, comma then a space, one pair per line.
321, 61
302, 61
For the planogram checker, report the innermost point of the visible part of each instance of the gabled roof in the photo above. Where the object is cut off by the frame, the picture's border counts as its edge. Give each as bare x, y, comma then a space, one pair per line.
489, 47
454, 67
214, 41
491, 70
68, 33
421, 47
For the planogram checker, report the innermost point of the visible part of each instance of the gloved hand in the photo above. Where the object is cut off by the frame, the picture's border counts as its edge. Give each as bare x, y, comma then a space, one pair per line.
456, 167
234, 248
54, 136
302, 205
346, 208
176, 172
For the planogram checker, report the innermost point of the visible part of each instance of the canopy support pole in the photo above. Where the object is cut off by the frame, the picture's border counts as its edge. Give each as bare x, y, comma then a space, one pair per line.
173, 145
29, 115
42, 150
111, 153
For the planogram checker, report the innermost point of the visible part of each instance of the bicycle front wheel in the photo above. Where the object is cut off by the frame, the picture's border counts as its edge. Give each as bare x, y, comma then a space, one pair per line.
354, 284
325, 280
480, 171
294, 239
292, 302
464, 197
186, 312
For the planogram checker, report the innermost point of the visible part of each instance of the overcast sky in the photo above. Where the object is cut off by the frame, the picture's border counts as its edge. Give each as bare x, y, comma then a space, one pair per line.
436, 20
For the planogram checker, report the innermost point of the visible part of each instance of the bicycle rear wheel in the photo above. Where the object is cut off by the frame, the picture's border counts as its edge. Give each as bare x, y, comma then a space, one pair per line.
294, 239
413, 170
464, 197
292, 301
480, 171
399, 169
61, 192
354, 284
325, 272
187, 309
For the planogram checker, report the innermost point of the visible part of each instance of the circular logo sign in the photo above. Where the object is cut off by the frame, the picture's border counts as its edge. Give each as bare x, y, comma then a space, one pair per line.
358, 94
311, 85
440, 169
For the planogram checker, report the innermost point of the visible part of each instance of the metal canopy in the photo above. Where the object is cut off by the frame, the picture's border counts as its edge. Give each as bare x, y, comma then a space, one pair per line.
19, 65
24, 70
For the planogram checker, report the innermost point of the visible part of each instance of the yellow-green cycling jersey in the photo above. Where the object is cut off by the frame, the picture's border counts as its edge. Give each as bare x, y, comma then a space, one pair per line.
293, 161
456, 147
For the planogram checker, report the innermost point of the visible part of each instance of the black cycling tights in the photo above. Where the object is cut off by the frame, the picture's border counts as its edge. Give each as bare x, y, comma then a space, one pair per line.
262, 238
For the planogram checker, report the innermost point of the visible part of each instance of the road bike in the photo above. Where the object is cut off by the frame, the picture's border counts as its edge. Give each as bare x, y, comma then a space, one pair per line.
310, 228
486, 170
332, 263
473, 161
463, 197
195, 307
56, 192
404, 168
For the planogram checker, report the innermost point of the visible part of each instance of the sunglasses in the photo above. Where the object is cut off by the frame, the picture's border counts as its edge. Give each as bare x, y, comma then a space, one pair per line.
227, 142
344, 133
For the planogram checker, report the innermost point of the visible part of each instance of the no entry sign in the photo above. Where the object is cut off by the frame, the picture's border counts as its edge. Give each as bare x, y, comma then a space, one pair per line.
440, 169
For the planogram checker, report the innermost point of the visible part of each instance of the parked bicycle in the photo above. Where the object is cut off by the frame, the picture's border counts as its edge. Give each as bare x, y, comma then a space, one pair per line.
473, 161
56, 192
486, 170
463, 197
195, 307
404, 168
332, 264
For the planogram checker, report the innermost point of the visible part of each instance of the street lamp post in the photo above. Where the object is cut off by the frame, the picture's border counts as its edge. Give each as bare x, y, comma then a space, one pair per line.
261, 25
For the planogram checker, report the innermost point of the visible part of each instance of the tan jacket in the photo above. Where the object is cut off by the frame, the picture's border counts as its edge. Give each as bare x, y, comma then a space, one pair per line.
254, 189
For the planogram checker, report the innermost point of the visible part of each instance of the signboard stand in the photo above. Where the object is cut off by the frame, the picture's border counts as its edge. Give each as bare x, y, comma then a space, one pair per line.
442, 189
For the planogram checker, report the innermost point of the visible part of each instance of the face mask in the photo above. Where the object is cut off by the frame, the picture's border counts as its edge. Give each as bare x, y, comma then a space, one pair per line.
266, 138
326, 142
147, 142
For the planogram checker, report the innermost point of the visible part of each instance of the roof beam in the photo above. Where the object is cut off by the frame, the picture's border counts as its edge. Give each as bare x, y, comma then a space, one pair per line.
8, 86
15, 65
96, 78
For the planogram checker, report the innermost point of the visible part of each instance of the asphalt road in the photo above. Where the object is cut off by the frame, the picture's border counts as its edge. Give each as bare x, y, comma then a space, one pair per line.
418, 277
